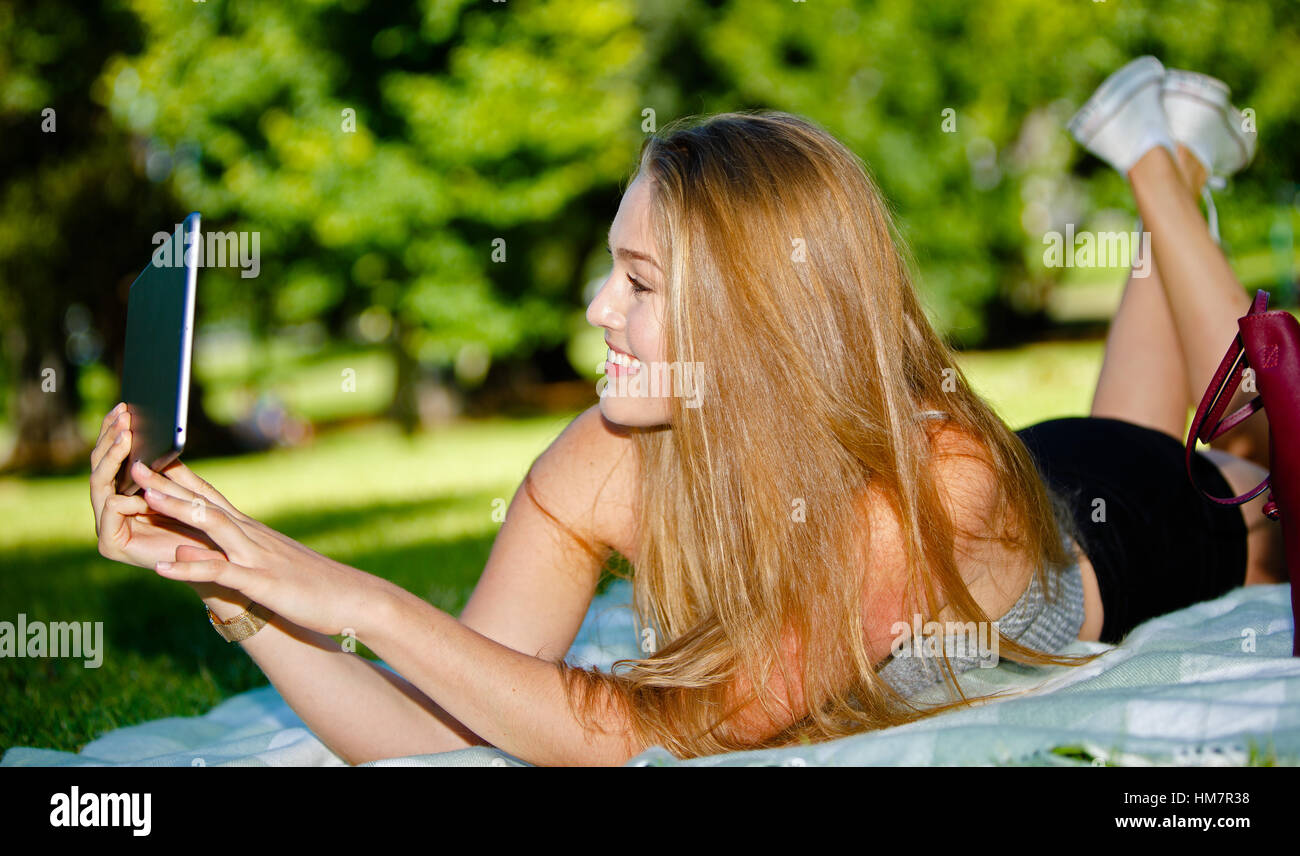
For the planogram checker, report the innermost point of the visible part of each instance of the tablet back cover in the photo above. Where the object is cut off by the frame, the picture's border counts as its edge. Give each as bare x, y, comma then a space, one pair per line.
159, 336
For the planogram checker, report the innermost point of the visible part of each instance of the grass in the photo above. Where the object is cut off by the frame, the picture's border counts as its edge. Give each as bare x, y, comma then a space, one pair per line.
417, 511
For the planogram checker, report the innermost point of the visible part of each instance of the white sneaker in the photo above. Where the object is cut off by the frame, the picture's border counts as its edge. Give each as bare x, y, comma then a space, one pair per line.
1202, 118
1125, 118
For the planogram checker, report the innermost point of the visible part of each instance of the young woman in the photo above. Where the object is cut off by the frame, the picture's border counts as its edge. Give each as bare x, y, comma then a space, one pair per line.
824, 473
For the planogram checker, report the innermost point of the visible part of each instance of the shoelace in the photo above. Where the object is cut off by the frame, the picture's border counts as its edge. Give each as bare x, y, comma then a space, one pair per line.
1211, 214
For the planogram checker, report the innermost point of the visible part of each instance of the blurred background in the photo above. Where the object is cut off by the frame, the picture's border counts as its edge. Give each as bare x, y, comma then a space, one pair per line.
431, 183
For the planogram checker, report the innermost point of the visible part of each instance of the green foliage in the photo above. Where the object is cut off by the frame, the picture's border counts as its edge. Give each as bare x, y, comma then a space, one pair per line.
452, 166
975, 202
379, 150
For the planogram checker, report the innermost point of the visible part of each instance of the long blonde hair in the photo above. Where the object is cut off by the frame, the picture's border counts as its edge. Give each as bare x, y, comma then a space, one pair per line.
784, 273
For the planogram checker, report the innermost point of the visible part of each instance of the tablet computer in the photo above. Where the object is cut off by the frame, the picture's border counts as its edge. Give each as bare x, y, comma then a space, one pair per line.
159, 341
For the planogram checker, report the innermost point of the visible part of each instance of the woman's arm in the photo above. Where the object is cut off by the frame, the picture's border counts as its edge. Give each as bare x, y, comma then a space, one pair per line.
357, 708
329, 687
528, 605
514, 700
532, 597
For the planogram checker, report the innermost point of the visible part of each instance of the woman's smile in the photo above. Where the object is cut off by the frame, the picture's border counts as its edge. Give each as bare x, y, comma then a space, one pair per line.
618, 363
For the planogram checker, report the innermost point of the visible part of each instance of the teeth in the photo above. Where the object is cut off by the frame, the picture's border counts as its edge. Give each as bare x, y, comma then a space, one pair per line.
620, 359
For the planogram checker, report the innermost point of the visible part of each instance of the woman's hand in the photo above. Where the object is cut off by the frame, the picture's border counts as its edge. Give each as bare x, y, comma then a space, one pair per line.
128, 530
295, 582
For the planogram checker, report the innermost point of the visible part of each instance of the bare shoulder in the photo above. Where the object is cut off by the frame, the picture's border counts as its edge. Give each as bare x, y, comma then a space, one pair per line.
545, 561
967, 482
964, 469
996, 573
588, 478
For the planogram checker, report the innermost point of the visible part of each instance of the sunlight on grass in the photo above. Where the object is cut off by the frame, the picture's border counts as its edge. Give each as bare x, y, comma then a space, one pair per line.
350, 469
1036, 382
360, 467
414, 510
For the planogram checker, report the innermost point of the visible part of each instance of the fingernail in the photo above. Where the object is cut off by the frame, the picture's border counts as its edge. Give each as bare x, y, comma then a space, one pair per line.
150, 493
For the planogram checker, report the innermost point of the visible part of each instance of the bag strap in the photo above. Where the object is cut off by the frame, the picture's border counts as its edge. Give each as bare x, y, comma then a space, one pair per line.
1226, 379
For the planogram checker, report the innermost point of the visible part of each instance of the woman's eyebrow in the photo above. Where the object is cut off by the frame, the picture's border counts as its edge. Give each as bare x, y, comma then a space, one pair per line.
624, 252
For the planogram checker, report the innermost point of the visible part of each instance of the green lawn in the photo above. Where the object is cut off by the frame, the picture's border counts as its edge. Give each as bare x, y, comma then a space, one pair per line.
415, 511
418, 512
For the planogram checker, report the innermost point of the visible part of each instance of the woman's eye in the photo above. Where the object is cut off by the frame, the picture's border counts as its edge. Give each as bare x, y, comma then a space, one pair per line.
637, 288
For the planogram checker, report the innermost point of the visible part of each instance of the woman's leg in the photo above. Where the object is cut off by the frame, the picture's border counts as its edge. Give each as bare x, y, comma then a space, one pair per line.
1146, 379
1265, 552
1143, 379
1204, 297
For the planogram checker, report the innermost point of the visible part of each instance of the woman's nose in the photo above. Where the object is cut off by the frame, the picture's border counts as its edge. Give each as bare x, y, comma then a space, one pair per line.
601, 313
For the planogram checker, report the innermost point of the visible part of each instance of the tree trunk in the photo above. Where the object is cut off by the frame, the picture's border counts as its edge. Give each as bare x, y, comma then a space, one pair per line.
405, 407
49, 440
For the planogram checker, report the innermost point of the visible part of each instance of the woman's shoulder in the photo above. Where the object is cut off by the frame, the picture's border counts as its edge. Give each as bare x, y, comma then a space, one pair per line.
588, 478
968, 486
962, 454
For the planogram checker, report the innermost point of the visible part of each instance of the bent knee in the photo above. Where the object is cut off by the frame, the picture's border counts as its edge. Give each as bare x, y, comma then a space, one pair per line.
1266, 557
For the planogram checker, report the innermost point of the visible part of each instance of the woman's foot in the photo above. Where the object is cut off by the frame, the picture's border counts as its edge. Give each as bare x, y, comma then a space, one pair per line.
1125, 118
1204, 123
1194, 172
1201, 117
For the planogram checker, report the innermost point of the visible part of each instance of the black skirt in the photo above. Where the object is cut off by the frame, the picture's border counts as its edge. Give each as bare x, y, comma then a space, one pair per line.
1155, 543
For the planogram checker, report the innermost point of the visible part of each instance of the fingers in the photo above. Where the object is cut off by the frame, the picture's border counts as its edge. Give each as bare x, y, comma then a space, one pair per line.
181, 482
108, 419
120, 505
103, 474
207, 518
186, 478
113, 455
217, 571
112, 430
192, 554
116, 507
147, 478
252, 532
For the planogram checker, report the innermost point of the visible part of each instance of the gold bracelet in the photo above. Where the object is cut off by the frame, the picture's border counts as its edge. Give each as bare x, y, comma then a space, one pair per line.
248, 622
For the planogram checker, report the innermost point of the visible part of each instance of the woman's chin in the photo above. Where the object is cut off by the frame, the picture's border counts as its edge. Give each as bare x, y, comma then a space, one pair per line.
635, 412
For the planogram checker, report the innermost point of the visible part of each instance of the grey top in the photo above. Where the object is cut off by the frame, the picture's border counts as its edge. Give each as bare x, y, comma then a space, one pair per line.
1033, 621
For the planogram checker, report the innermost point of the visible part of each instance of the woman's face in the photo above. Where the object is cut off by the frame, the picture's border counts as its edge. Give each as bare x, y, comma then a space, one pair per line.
630, 306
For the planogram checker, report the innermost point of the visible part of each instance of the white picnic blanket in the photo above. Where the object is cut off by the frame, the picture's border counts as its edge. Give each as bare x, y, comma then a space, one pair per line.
1210, 684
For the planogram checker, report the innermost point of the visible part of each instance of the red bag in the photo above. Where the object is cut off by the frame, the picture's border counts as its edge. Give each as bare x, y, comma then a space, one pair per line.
1270, 344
